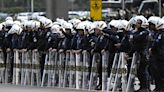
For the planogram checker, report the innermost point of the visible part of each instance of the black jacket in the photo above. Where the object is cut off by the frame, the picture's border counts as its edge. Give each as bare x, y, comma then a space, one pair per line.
125, 42
65, 43
113, 39
33, 39
80, 42
158, 46
24, 40
53, 41
2, 37
101, 42
140, 40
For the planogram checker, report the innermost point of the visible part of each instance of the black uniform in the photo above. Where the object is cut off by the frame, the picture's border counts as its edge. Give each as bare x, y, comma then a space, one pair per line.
113, 39
42, 46
157, 58
33, 39
125, 42
139, 45
53, 41
80, 42
101, 43
65, 43
126, 47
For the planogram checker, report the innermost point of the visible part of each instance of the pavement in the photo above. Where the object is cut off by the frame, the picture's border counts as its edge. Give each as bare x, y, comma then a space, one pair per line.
18, 88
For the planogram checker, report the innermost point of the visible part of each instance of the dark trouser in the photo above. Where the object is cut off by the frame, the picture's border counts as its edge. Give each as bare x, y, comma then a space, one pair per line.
90, 64
160, 77
157, 71
10, 64
110, 62
42, 61
129, 62
141, 71
99, 68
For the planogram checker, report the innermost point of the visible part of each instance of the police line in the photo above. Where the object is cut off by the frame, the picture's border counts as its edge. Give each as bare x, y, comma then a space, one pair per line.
67, 69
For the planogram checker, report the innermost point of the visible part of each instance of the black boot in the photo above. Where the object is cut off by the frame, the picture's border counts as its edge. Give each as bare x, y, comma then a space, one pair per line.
98, 87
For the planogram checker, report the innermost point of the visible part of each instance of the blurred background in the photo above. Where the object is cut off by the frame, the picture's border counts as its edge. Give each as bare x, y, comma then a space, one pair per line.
67, 9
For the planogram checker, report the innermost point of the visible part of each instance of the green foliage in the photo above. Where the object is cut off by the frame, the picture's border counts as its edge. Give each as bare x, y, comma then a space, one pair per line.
13, 10
15, 6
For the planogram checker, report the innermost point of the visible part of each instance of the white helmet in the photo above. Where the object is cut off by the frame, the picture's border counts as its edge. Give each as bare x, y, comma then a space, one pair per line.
91, 28
41, 18
143, 19
160, 24
17, 22
88, 26
119, 25
61, 22
3, 23
87, 23
75, 22
9, 18
122, 24
113, 23
56, 23
55, 29
47, 23
131, 23
35, 24
9, 22
68, 26
101, 25
1, 26
153, 20
15, 29
28, 24
24, 24
81, 26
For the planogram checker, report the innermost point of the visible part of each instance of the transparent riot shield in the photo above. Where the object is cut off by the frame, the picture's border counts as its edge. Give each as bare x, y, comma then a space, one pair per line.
2, 67
55, 74
46, 70
79, 73
86, 73
67, 70
94, 71
27, 65
124, 72
23, 60
61, 67
110, 80
16, 68
130, 87
72, 65
35, 74
105, 57
48, 78
51, 64
117, 79
8, 70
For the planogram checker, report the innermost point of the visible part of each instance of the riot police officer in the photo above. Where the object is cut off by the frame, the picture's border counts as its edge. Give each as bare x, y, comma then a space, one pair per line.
139, 45
156, 57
